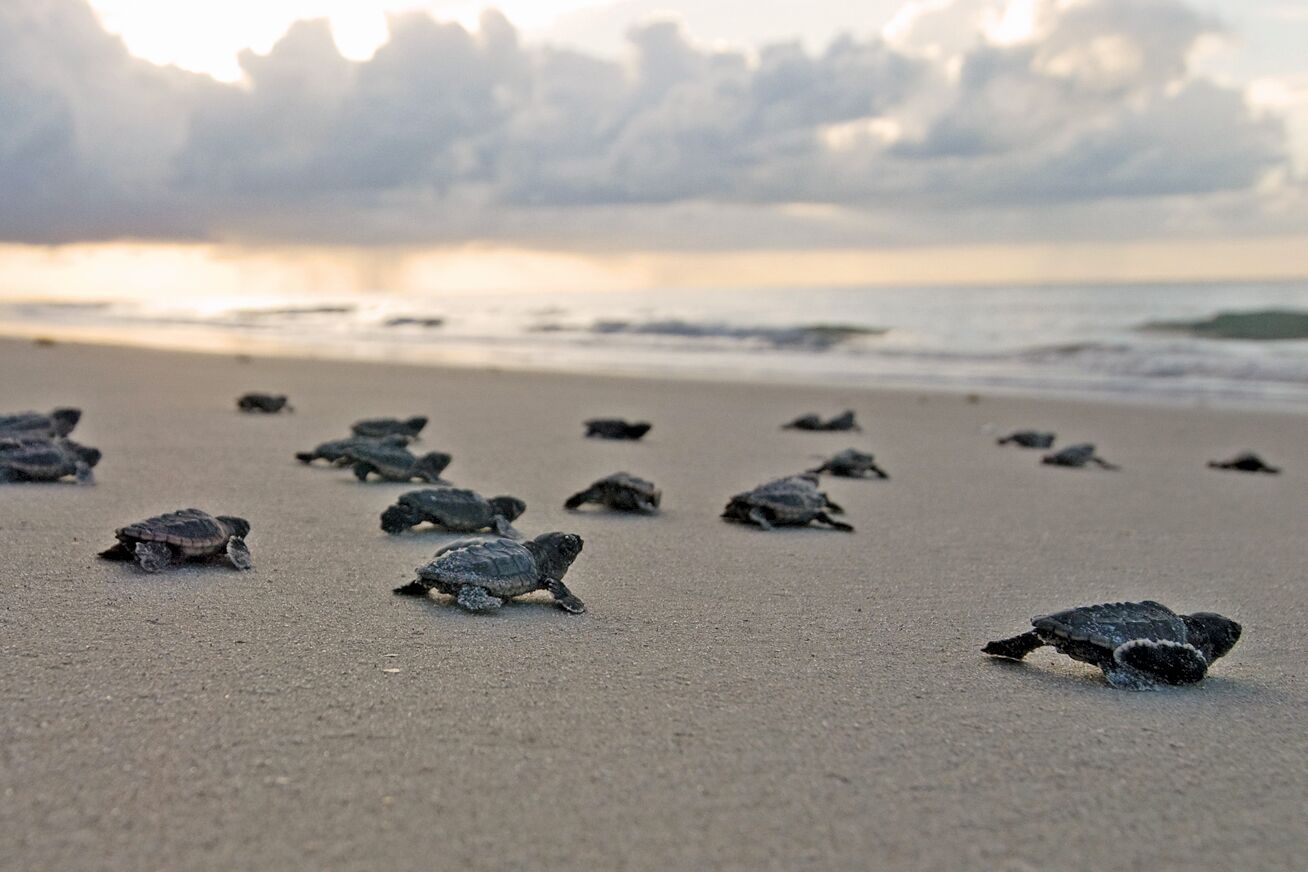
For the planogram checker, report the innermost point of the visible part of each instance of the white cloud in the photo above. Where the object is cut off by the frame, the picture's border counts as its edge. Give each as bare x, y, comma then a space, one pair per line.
1084, 111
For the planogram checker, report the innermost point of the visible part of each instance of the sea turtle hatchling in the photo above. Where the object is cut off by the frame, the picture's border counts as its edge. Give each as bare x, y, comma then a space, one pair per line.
454, 508
60, 422
396, 463
266, 403
852, 463
336, 451
793, 501
616, 428
188, 534
1137, 645
41, 459
1029, 439
620, 491
481, 575
842, 422
376, 428
1246, 462
1077, 456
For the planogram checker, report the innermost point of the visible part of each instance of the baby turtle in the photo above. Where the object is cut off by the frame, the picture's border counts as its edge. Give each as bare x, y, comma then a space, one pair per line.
1029, 439
336, 452
616, 428
376, 428
1077, 456
267, 403
1137, 645
1246, 462
793, 501
39, 459
396, 463
481, 575
852, 463
454, 508
843, 421
60, 422
620, 491
189, 534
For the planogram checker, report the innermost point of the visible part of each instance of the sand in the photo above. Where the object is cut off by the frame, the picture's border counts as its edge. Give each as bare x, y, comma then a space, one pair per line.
733, 699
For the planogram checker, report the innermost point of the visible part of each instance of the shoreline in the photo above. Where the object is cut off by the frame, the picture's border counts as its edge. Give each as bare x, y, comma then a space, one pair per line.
732, 699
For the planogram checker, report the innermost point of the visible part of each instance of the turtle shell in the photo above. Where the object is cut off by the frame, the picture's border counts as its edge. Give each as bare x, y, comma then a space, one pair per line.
379, 427
37, 459
501, 566
625, 491
791, 500
850, 460
1091, 633
393, 460
454, 508
192, 531
1073, 455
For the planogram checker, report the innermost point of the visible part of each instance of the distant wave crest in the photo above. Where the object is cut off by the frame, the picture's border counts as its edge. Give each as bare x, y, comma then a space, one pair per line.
810, 337
1264, 325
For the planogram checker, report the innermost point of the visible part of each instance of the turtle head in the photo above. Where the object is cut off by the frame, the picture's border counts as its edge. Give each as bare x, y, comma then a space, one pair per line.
430, 466
65, 420
638, 429
239, 526
1212, 634
555, 552
508, 507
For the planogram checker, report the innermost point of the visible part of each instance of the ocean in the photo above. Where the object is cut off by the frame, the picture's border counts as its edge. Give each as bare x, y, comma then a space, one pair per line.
1218, 342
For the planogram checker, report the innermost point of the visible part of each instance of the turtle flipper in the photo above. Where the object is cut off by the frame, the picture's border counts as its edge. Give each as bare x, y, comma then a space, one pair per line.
877, 471
578, 499
832, 507
8, 474
413, 588
1161, 660
564, 598
305, 456
118, 552
760, 517
153, 556
239, 553
1014, 648
84, 474
477, 599
838, 525
1103, 464
645, 507
361, 470
502, 526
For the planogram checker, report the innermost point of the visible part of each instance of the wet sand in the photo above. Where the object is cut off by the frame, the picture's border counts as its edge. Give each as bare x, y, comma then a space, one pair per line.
733, 699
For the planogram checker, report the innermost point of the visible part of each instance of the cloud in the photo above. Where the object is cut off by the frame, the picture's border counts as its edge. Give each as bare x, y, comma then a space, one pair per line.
1052, 109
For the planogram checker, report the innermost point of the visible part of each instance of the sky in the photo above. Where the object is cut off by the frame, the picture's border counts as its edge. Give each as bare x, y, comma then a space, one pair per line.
299, 143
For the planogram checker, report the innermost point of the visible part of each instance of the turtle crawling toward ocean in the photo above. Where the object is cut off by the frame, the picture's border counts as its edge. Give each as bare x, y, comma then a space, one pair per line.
1246, 462
453, 508
842, 422
336, 452
190, 534
1029, 439
267, 403
620, 491
1077, 456
41, 459
852, 463
396, 463
481, 575
616, 428
793, 501
60, 422
376, 428
1137, 645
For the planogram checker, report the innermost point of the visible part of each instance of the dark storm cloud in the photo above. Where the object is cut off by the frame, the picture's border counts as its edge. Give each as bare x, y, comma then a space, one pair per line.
446, 135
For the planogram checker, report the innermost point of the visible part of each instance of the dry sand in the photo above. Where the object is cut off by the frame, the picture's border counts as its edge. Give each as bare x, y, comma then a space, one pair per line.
733, 700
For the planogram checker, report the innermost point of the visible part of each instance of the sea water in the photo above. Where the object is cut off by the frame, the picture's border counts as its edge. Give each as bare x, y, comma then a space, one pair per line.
1150, 341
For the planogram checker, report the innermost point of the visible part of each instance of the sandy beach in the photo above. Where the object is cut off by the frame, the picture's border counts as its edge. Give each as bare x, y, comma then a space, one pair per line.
733, 699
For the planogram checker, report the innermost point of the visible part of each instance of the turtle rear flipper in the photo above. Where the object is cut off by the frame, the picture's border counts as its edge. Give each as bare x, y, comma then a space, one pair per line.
564, 598
153, 556
760, 517
239, 553
1161, 660
1015, 647
832, 522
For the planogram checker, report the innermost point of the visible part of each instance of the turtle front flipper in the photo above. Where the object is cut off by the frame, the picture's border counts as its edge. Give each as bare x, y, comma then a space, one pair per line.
84, 474
877, 471
832, 507
503, 528
362, 469
153, 556
1016, 647
239, 553
760, 517
578, 499
413, 588
1160, 660
1103, 464
118, 552
832, 522
477, 599
564, 598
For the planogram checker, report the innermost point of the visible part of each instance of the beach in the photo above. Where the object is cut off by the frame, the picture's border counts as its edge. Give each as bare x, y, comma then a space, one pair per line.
733, 699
